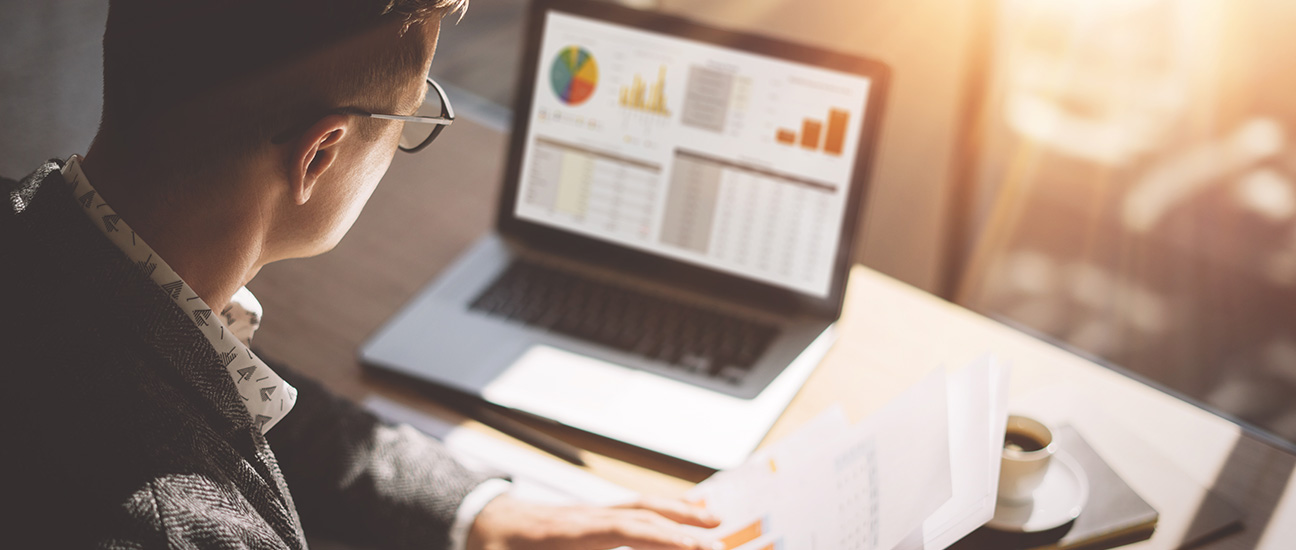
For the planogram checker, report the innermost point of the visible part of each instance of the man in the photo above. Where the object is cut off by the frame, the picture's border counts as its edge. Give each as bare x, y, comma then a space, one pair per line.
234, 134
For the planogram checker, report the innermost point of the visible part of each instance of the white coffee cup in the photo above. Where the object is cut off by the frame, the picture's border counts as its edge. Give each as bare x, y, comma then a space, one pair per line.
1028, 448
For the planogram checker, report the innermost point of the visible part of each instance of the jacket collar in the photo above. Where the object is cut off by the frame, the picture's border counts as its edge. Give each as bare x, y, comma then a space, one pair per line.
43, 211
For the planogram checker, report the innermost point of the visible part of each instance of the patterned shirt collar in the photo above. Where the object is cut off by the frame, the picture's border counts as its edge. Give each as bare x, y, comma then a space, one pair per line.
267, 396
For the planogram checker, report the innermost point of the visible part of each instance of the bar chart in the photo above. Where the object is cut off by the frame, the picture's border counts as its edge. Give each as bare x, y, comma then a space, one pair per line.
638, 95
813, 136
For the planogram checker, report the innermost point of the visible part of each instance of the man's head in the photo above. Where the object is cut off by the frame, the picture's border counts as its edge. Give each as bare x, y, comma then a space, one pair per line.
195, 91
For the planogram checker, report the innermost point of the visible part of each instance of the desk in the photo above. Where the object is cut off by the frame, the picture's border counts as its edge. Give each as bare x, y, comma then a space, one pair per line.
433, 205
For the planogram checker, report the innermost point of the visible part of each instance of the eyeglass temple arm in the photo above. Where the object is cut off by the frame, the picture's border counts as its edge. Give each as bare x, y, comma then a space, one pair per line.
446, 109
444, 121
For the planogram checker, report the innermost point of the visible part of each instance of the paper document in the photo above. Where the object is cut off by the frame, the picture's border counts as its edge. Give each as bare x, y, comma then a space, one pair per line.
978, 416
920, 473
830, 486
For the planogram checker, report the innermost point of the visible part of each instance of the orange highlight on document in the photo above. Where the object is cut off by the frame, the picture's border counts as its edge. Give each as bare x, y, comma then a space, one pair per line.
745, 535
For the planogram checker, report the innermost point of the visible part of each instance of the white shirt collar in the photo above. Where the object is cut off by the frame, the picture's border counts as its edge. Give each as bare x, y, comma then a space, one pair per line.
267, 396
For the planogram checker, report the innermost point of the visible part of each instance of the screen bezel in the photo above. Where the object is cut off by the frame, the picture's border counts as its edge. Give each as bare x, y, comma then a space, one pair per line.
676, 272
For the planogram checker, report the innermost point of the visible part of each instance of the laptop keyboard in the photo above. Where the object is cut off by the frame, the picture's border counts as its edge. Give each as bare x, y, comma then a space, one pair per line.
693, 338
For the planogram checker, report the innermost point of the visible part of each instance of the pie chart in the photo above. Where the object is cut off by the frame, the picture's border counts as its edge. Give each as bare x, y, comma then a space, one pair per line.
573, 75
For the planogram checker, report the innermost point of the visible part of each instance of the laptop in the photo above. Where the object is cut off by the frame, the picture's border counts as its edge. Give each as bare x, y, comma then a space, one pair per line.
673, 236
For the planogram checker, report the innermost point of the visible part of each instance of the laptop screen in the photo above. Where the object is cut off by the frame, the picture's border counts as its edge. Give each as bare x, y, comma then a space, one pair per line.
721, 158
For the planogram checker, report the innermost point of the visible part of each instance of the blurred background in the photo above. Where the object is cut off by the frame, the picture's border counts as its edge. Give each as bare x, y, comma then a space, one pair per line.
1113, 175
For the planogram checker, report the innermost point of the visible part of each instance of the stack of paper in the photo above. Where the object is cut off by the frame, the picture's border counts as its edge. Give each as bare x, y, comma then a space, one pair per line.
919, 474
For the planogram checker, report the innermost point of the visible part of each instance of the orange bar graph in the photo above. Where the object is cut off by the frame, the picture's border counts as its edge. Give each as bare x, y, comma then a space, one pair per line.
810, 132
814, 137
836, 138
744, 535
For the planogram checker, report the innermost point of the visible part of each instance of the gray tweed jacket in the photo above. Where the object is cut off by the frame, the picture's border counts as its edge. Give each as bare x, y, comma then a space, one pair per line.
123, 430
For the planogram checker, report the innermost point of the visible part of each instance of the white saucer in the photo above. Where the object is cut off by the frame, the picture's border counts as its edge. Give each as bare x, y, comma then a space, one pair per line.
1057, 500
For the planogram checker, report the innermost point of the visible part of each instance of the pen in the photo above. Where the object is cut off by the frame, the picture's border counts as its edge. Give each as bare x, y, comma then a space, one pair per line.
486, 415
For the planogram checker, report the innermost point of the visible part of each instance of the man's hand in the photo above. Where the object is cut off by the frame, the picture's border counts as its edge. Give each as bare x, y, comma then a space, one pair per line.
649, 524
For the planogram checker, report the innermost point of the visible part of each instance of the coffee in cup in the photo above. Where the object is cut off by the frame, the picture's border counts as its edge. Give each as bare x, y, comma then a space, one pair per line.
1027, 450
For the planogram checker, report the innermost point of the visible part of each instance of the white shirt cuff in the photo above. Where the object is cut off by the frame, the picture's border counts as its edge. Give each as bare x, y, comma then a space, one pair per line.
471, 506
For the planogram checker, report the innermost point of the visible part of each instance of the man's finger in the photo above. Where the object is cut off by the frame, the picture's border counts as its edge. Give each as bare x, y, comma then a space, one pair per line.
677, 511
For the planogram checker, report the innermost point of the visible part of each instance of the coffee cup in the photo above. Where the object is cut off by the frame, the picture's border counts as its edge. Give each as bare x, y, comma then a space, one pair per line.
1027, 451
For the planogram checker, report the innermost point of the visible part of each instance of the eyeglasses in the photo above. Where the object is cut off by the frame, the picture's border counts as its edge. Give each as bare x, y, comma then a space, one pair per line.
419, 130
433, 116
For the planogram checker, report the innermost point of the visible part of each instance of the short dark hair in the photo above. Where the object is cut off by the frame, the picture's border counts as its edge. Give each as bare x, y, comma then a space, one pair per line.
160, 55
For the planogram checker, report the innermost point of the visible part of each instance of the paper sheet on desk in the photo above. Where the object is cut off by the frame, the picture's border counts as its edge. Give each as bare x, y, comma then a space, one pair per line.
536, 477
830, 486
919, 474
978, 416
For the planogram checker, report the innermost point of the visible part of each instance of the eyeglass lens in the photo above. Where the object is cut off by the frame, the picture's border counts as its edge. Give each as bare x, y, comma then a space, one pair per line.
415, 134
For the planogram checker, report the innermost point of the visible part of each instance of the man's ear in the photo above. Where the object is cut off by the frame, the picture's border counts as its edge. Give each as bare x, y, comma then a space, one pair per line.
313, 153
